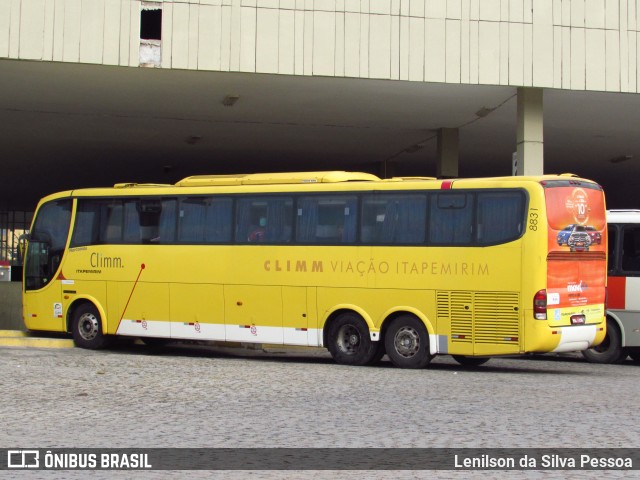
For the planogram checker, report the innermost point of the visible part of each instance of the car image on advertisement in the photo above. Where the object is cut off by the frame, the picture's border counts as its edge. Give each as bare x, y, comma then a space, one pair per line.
564, 234
595, 235
579, 240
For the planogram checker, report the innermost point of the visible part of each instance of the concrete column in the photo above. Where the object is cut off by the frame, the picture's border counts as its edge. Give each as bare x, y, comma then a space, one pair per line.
448, 153
530, 127
11, 306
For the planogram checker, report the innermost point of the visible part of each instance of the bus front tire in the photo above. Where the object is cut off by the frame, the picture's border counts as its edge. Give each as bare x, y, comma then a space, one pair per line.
87, 328
610, 350
470, 361
407, 342
349, 341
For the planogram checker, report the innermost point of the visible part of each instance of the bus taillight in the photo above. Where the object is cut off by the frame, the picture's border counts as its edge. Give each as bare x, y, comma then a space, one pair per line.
540, 305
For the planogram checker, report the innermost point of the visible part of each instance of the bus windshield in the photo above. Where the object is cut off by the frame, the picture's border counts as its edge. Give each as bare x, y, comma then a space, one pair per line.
47, 244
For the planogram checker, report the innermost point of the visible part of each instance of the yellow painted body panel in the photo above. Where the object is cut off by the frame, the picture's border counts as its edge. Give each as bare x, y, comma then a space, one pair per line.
201, 303
472, 300
40, 311
295, 311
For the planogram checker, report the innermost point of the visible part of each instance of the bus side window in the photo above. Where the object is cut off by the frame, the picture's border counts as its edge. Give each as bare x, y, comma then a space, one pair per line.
613, 254
499, 216
191, 219
451, 219
111, 222
390, 219
327, 219
167, 222
157, 220
631, 250
204, 220
86, 228
131, 223
218, 220
264, 219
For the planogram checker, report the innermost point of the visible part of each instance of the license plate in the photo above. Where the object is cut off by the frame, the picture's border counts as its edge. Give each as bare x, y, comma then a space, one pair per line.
577, 319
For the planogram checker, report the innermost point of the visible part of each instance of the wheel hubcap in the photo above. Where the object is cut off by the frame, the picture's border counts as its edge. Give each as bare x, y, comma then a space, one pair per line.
88, 327
407, 342
348, 339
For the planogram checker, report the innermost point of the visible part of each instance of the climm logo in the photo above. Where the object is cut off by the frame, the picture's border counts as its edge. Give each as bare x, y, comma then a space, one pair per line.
577, 287
293, 266
99, 260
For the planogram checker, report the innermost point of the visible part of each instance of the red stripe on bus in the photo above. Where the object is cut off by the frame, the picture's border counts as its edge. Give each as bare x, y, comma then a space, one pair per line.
142, 267
616, 287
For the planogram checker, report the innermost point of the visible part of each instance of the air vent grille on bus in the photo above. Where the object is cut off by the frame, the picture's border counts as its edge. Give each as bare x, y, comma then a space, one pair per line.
456, 306
480, 317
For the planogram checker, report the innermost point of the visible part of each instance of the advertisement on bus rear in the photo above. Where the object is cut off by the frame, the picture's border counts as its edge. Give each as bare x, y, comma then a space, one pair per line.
577, 246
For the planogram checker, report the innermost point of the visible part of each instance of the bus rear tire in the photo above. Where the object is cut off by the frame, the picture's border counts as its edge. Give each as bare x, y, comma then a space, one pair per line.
87, 328
407, 342
349, 341
610, 350
470, 361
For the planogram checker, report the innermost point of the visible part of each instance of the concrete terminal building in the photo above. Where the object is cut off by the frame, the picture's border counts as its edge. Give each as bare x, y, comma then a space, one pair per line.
95, 92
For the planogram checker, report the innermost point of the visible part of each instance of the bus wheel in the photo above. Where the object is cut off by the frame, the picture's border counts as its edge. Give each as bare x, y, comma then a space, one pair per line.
610, 350
349, 342
87, 328
407, 342
470, 361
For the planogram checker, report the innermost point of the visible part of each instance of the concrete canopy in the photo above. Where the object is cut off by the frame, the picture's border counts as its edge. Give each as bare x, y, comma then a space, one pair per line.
67, 126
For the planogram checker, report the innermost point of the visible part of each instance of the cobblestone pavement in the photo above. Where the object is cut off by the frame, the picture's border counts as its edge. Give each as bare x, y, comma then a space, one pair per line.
192, 396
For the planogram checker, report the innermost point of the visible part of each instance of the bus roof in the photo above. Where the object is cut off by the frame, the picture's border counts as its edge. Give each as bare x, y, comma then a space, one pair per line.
275, 178
322, 179
623, 216
334, 176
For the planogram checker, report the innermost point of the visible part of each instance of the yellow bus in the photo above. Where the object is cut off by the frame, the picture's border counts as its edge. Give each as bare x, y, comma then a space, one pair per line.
410, 267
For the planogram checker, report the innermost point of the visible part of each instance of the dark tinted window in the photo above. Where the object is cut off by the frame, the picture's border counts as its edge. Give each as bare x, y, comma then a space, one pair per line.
500, 216
264, 219
330, 219
393, 219
630, 249
130, 221
161, 227
106, 221
381, 218
205, 220
451, 219
612, 232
